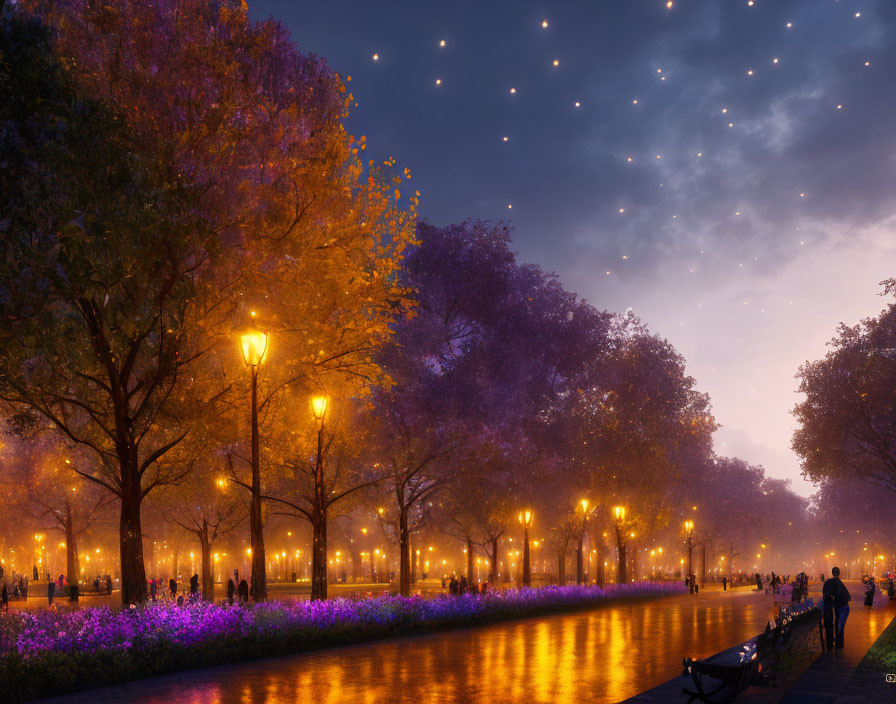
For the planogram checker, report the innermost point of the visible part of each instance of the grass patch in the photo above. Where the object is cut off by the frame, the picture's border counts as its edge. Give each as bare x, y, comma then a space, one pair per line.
881, 657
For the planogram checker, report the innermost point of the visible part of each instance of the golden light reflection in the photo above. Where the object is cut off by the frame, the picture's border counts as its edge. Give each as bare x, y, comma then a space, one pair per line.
611, 653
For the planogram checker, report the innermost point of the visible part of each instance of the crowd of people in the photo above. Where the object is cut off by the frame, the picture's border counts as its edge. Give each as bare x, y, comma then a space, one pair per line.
459, 587
12, 586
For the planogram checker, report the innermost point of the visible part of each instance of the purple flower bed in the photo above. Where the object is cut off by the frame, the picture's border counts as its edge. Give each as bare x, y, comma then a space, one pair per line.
44, 652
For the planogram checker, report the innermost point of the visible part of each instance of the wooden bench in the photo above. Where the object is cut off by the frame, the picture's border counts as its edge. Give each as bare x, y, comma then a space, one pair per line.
721, 678
717, 680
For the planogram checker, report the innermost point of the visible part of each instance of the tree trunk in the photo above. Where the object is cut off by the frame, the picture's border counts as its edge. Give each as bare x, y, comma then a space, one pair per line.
72, 568
404, 580
415, 554
133, 574
561, 566
469, 561
319, 555
703, 565
621, 572
580, 565
208, 577
357, 562
493, 565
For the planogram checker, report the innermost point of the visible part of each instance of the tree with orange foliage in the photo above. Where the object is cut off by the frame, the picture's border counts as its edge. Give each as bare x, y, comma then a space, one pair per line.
269, 209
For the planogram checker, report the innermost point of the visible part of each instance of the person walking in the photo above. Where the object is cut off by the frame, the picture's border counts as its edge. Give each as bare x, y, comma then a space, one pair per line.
4, 597
172, 586
231, 590
153, 585
452, 586
194, 585
51, 590
243, 591
725, 584
464, 587
836, 610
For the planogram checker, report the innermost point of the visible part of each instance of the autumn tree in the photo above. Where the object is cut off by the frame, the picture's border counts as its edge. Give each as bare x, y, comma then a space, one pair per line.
847, 421
207, 507
100, 255
65, 503
324, 472
638, 428
307, 236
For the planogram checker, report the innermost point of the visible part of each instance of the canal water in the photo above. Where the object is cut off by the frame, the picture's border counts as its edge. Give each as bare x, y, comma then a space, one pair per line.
604, 655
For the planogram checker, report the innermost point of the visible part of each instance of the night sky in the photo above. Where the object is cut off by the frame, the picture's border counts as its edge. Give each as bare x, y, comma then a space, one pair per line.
725, 168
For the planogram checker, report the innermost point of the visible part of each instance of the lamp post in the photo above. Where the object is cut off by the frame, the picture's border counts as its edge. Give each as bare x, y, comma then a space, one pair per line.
254, 347
319, 406
580, 562
689, 529
526, 520
621, 575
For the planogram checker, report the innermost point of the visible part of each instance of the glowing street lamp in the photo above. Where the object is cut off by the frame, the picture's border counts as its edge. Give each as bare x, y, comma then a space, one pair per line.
254, 348
689, 530
319, 406
580, 558
525, 518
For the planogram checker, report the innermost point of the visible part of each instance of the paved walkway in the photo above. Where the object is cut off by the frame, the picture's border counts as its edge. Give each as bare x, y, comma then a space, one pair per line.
825, 682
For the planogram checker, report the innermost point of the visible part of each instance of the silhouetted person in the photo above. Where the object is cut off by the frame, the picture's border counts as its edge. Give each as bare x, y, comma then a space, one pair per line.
463, 585
109, 583
483, 588
243, 591
172, 586
836, 609
869, 595
153, 585
453, 586
194, 585
51, 590
4, 597
231, 590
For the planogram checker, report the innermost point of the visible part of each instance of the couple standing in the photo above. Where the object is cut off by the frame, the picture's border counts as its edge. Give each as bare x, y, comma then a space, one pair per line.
835, 609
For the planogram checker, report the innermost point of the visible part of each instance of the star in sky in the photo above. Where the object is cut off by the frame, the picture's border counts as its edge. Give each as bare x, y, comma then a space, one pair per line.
659, 132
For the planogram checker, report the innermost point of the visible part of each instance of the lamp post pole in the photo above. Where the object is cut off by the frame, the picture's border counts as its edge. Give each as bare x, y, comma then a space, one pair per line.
526, 519
254, 347
319, 406
689, 527
580, 561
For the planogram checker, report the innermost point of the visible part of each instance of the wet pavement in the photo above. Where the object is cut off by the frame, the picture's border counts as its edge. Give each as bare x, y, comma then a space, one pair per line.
827, 680
603, 655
